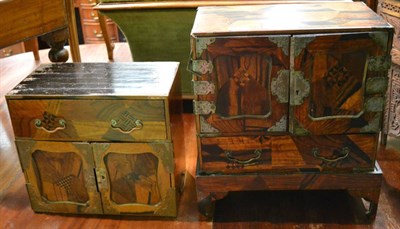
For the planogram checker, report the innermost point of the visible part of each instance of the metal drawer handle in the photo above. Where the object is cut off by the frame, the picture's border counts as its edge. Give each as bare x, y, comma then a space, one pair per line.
7, 52
251, 161
127, 128
97, 34
93, 15
344, 153
50, 123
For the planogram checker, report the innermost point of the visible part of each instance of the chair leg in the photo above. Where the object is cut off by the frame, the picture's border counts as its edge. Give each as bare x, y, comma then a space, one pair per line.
73, 31
32, 45
106, 36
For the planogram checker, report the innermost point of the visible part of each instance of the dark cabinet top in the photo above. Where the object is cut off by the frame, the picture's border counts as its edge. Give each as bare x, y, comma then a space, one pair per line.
286, 18
91, 80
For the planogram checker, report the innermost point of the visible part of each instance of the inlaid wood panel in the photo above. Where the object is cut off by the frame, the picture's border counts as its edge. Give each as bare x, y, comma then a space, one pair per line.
136, 178
339, 82
59, 176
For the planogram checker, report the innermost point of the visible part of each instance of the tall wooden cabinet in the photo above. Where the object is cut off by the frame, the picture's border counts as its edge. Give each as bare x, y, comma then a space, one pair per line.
100, 138
289, 97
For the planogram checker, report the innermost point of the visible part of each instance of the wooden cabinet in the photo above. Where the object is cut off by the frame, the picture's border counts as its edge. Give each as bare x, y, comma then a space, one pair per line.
100, 138
91, 30
285, 91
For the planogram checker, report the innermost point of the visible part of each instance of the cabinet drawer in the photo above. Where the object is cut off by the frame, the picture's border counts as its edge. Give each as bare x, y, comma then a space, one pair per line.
287, 153
92, 32
89, 120
88, 14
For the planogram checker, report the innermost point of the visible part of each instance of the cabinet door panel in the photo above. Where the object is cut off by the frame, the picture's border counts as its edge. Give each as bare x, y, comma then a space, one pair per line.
241, 83
338, 82
136, 178
59, 176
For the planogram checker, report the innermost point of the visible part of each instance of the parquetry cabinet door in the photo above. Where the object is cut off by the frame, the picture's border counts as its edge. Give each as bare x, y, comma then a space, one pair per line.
338, 82
136, 178
59, 176
241, 83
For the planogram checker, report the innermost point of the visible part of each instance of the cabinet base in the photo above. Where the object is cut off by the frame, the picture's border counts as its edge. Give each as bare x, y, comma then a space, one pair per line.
364, 185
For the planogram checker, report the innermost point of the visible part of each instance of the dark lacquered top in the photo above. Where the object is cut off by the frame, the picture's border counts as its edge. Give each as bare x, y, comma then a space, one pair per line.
286, 18
130, 79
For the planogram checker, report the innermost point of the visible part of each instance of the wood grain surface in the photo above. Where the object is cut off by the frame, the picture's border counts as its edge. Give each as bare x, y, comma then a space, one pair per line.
286, 18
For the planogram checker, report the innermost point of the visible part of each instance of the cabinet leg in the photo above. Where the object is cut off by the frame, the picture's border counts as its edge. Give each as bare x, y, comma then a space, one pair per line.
56, 41
206, 202
370, 196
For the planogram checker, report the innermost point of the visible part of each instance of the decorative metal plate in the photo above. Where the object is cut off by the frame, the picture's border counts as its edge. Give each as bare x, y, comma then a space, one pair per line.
282, 42
279, 126
206, 127
202, 43
300, 88
376, 85
279, 86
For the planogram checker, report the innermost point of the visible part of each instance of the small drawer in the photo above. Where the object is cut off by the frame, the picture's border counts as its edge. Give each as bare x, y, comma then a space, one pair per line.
93, 32
89, 120
232, 155
88, 14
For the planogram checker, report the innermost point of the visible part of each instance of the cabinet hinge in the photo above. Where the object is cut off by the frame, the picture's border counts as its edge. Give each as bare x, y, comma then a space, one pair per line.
200, 67
379, 63
202, 43
203, 87
203, 107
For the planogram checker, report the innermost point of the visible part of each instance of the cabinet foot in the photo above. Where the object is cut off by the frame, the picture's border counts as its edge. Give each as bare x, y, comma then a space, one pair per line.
206, 202
370, 199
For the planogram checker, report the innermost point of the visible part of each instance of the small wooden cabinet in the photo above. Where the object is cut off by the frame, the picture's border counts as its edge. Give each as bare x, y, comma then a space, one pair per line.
100, 138
289, 96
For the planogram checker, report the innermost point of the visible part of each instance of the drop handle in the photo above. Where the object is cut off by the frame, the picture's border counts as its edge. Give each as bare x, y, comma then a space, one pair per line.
50, 123
126, 128
250, 161
344, 152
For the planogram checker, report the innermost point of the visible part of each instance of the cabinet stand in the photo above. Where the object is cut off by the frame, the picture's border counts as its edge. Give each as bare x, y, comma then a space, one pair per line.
211, 188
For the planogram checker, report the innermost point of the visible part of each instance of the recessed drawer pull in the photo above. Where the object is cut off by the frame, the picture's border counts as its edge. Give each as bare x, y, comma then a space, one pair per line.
50, 123
127, 127
251, 161
344, 152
